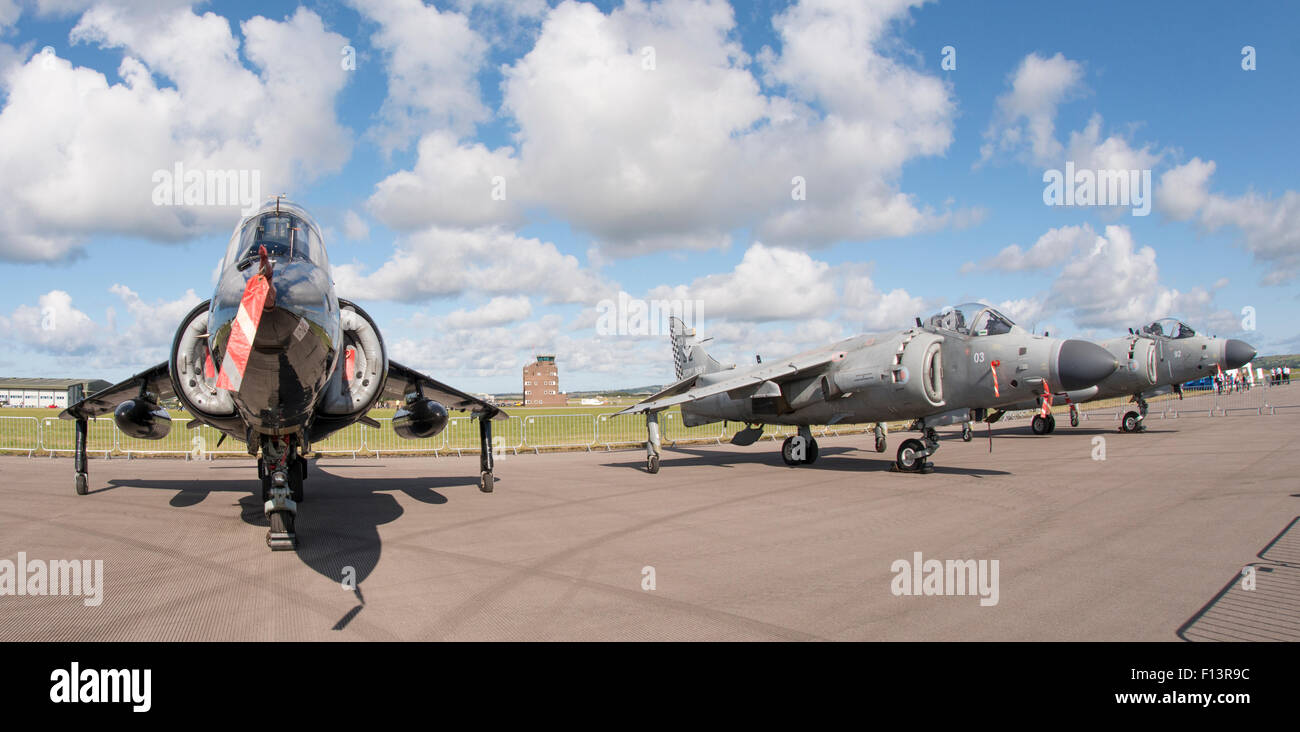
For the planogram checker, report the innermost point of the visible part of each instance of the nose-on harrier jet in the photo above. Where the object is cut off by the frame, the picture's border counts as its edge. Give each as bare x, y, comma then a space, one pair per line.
276, 360
944, 371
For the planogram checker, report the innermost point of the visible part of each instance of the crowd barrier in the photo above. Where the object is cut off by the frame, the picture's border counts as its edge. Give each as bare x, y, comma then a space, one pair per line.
535, 433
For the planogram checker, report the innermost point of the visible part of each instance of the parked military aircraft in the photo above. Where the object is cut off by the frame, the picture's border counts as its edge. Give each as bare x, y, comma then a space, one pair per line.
1155, 359
276, 360
965, 358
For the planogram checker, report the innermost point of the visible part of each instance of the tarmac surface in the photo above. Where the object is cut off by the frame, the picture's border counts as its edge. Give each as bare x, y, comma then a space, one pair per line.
1147, 544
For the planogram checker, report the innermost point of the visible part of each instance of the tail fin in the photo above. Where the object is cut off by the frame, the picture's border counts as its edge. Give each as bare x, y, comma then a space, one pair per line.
689, 356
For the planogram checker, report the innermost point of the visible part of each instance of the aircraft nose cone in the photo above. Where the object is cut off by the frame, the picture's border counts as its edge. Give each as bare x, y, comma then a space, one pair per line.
1082, 364
1237, 353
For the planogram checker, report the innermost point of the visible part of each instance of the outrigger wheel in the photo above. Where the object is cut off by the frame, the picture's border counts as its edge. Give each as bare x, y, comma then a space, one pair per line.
486, 461
652, 464
967, 434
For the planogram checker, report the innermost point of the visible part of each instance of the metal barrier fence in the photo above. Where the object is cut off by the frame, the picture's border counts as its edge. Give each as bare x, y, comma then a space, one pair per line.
20, 434
607, 431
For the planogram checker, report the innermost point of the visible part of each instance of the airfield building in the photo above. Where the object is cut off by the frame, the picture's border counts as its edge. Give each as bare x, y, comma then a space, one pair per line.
542, 384
42, 392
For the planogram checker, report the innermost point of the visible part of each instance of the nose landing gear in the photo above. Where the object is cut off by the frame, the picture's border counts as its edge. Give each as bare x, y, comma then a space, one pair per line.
281, 472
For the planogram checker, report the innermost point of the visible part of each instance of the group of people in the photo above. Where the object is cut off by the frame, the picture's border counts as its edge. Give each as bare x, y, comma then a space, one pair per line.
1234, 380
1279, 375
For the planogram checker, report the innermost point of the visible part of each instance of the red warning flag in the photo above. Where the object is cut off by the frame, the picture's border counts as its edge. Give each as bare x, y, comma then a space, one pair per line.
349, 363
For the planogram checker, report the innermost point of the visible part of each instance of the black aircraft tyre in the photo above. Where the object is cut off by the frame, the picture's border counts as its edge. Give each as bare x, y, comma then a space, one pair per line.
967, 434
1051, 424
1130, 422
1038, 425
787, 452
82, 484
909, 459
652, 464
811, 454
882, 443
1074, 419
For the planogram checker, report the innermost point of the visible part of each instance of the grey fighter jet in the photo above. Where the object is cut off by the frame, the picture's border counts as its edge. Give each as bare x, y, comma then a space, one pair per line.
276, 360
1155, 359
965, 358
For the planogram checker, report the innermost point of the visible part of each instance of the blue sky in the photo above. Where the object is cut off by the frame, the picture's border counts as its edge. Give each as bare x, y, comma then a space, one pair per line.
670, 182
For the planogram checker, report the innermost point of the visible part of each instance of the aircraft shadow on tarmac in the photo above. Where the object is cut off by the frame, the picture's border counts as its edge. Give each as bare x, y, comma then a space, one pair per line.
849, 459
338, 525
1263, 610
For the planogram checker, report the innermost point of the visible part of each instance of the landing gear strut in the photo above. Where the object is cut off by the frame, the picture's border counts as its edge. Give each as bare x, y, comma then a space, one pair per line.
281, 474
800, 449
881, 442
652, 442
79, 458
486, 480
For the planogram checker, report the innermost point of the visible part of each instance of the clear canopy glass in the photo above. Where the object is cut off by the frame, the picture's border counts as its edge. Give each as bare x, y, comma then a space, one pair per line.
287, 232
1169, 328
972, 318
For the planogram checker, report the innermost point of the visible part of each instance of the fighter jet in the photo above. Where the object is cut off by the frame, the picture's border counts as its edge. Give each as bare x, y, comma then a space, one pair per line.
1156, 359
278, 361
965, 358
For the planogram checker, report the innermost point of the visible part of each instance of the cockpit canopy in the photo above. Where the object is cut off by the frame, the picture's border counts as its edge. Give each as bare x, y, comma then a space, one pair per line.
972, 318
285, 229
1169, 328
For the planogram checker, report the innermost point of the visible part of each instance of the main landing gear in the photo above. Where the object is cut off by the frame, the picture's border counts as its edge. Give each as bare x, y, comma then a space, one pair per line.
912, 453
800, 449
1135, 421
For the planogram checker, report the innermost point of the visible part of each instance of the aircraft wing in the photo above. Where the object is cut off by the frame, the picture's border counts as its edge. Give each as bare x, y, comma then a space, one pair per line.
778, 371
156, 380
403, 380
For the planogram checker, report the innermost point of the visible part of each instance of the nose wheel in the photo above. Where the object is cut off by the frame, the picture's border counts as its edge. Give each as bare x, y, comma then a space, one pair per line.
1041, 425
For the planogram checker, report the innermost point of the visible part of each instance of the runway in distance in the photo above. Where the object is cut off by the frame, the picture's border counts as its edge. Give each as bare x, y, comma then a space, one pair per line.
277, 360
948, 370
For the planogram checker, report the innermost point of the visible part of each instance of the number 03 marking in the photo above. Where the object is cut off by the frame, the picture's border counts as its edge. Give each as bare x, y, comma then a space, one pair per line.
978, 356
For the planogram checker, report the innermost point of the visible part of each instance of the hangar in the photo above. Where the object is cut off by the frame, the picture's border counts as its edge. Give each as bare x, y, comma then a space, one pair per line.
41, 392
